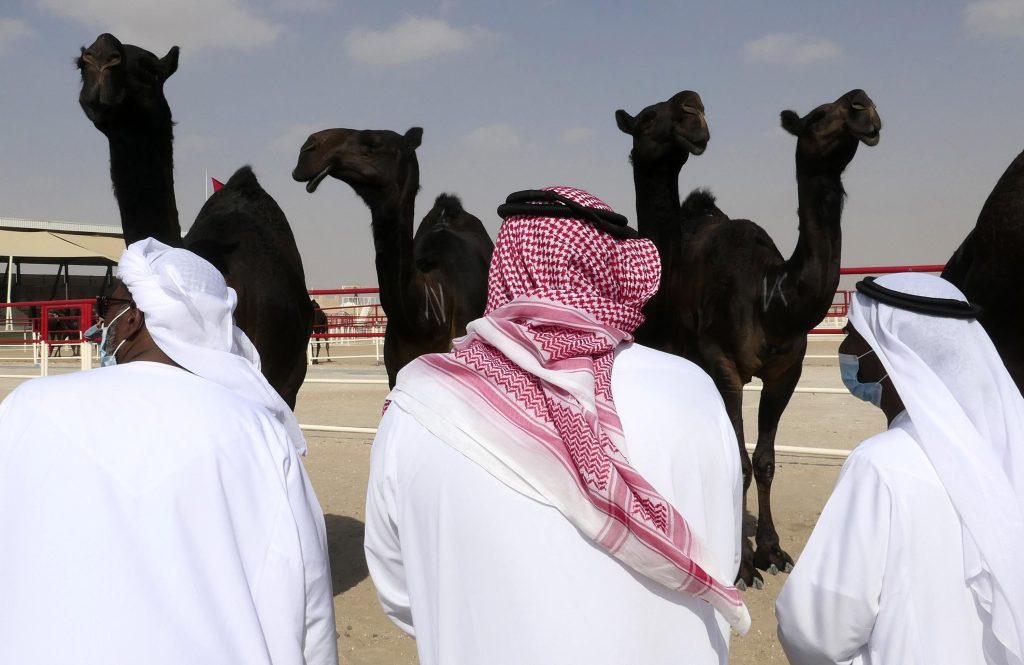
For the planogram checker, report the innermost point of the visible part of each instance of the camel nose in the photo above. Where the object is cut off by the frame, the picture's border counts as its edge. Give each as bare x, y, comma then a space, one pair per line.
102, 61
309, 145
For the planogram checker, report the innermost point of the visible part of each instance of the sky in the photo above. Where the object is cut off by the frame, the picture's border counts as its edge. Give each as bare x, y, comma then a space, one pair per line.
517, 95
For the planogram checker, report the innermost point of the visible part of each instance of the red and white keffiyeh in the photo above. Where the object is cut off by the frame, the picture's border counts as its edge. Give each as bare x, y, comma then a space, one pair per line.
527, 394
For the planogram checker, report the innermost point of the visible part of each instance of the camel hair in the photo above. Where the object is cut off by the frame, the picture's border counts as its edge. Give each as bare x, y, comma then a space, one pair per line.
730, 302
431, 284
986, 264
240, 229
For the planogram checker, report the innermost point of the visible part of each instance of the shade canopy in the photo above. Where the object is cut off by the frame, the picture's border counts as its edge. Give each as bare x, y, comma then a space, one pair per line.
57, 247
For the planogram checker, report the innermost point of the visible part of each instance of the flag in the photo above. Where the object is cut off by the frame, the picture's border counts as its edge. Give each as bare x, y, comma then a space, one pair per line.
217, 184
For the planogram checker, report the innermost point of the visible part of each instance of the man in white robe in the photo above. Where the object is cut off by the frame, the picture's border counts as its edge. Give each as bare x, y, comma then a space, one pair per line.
156, 511
915, 558
482, 564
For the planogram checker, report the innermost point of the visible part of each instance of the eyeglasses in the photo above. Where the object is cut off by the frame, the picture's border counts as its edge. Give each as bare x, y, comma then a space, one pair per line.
103, 303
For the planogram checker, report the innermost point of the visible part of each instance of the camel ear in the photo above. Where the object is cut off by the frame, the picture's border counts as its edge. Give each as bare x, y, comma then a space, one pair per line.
414, 137
791, 122
169, 63
625, 121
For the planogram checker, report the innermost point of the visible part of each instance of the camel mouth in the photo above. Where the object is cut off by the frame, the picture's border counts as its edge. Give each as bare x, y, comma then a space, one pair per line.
317, 179
869, 139
695, 148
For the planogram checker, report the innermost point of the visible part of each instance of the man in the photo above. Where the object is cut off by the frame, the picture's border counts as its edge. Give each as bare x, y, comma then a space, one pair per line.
160, 513
516, 513
916, 557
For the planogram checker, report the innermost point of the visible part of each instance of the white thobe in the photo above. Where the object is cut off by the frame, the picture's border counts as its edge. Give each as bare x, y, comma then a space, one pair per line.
881, 580
479, 573
151, 516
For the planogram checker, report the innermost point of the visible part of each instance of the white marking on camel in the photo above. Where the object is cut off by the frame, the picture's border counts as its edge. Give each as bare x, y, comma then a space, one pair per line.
433, 303
769, 296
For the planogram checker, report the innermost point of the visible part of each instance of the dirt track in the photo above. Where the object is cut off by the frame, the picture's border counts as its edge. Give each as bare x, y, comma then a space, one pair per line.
338, 463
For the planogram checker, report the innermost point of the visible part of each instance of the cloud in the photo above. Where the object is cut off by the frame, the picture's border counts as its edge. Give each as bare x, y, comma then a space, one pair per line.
493, 138
301, 5
995, 18
156, 25
11, 30
196, 142
790, 49
410, 40
577, 135
293, 138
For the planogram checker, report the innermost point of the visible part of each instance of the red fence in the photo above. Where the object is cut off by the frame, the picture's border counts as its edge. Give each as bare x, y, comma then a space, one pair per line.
841, 302
351, 320
64, 322
56, 322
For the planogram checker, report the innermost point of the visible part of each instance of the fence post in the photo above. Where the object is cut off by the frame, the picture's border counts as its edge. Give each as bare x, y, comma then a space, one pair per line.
44, 358
309, 352
85, 348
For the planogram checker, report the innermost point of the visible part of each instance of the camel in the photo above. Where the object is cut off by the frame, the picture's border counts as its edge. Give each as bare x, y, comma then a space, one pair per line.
320, 327
731, 302
240, 229
984, 267
431, 284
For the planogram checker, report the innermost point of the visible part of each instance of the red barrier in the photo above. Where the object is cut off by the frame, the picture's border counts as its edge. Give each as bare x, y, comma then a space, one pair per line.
354, 325
888, 270
50, 312
839, 310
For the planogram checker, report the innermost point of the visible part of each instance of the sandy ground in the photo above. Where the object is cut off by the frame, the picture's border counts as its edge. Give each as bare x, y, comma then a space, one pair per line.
338, 463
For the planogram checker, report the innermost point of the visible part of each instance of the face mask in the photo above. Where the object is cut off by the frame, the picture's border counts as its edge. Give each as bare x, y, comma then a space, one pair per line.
849, 368
109, 359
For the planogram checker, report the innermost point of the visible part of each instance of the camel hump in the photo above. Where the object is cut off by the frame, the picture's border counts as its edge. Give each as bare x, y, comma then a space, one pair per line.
450, 204
701, 203
244, 182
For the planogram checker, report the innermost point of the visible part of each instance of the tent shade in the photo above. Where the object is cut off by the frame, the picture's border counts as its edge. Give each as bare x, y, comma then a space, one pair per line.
55, 247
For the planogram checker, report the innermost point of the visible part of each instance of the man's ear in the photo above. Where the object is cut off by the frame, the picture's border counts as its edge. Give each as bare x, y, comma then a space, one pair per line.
134, 321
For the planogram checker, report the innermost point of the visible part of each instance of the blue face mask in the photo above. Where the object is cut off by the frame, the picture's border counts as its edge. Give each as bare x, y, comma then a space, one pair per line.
849, 368
109, 358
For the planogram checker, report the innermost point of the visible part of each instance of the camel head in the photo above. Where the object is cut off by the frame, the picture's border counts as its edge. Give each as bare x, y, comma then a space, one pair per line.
369, 160
830, 134
668, 132
122, 83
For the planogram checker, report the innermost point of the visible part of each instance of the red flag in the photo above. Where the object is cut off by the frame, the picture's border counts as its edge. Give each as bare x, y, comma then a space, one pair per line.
217, 184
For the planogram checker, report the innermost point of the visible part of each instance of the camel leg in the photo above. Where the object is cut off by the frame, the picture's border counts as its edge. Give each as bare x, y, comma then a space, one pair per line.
727, 379
774, 398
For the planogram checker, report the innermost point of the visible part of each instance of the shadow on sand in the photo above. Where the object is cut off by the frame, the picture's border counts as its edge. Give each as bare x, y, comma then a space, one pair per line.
345, 547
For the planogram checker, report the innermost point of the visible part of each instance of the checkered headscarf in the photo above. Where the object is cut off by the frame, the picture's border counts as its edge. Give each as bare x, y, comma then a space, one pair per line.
527, 393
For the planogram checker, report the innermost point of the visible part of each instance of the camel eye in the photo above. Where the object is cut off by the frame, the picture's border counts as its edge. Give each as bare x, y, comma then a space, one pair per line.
857, 106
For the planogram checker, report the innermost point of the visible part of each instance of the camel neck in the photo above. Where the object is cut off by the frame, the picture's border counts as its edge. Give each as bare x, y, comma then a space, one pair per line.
392, 218
811, 274
142, 171
657, 202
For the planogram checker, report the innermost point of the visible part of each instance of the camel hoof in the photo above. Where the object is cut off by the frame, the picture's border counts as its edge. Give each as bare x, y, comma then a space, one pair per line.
773, 570
741, 585
758, 583
789, 568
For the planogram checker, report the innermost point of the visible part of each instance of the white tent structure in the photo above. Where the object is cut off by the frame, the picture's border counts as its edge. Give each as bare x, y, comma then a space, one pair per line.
56, 243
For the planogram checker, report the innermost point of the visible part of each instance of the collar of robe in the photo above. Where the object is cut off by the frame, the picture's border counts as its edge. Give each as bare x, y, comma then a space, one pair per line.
942, 307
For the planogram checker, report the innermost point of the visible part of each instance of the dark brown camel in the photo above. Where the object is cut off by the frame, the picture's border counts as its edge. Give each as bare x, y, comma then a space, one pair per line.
731, 302
431, 285
985, 267
320, 327
240, 229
